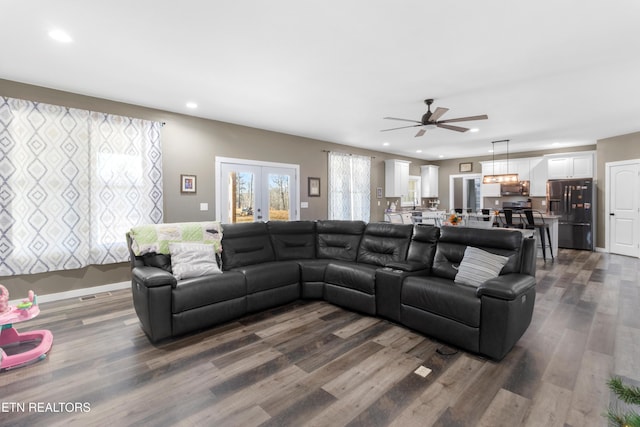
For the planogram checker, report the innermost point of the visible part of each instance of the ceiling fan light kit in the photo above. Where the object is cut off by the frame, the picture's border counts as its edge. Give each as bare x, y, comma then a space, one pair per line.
504, 178
430, 120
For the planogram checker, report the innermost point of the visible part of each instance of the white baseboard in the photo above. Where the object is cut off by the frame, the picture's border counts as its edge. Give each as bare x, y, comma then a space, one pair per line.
76, 293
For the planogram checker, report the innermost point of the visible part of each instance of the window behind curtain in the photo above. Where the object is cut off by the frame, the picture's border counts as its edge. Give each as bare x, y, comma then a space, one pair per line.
72, 182
349, 187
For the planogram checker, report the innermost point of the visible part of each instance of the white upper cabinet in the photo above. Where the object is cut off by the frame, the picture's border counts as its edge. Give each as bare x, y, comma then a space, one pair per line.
498, 167
521, 167
429, 175
533, 169
573, 165
537, 177
492, 168
396, 178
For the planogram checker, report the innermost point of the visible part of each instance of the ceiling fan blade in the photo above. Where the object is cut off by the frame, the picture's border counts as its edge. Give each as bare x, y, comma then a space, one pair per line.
465, 119
403, 120
402, 127
420, 132
437, 114
456, 128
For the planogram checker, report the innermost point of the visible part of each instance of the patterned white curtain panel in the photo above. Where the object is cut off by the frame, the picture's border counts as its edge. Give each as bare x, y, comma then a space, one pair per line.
72, 183
349, 187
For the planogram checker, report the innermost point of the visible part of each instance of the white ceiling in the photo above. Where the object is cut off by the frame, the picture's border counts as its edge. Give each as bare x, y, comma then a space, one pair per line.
545, 72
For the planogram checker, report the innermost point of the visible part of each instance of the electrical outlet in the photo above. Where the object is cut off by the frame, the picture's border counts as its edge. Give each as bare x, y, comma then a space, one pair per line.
497, 202
543, 202
204, 206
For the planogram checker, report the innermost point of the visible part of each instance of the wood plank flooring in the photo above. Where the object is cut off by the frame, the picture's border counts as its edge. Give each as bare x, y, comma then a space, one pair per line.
311, 363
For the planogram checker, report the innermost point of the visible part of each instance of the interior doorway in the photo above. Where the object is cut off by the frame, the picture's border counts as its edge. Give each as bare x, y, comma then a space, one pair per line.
464, 192
249, 191
622, 202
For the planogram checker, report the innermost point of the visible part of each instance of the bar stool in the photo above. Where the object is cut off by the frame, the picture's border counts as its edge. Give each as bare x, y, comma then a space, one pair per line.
540, 226
508, 219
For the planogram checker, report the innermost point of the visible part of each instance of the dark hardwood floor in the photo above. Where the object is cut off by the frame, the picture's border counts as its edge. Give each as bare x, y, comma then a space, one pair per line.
311, 363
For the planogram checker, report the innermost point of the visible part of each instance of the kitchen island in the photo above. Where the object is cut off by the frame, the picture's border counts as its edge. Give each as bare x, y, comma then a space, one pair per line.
440, 218
552, 220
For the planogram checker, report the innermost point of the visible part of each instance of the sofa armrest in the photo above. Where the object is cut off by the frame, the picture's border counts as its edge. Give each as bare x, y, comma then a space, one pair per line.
408, 266
507, 287
389, 287
152, 277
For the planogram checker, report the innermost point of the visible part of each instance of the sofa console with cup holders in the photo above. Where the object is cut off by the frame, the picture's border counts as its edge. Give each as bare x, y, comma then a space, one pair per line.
468, 287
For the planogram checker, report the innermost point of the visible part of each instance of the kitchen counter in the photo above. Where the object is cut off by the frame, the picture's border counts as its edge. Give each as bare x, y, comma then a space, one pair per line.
550, 219
437, 218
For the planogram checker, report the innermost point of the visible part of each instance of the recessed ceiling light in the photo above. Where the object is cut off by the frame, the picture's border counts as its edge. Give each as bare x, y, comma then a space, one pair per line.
386, 144
192, 105
491, 150
60, 36
441, 156
555, 144
474, 130
418, 151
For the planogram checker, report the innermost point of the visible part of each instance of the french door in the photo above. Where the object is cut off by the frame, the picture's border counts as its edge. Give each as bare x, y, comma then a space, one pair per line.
248, 191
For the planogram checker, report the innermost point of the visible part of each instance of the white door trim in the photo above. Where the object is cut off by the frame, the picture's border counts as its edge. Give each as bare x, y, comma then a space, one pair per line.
231, 160
464, 176
607, 197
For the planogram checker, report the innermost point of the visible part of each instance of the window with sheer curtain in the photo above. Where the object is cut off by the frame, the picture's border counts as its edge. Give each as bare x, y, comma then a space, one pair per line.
349, 187
72, 183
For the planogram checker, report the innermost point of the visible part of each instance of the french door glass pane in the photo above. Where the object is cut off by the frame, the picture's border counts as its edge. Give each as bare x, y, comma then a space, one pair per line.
279, 199
243, 196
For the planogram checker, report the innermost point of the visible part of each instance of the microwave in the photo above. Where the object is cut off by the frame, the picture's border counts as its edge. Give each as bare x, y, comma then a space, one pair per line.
520, 188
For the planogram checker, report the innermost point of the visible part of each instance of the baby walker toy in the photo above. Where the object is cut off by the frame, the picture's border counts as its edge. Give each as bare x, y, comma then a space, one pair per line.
18, 349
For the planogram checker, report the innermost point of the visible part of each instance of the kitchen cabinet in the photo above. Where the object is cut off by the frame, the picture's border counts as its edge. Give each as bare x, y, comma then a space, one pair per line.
429, 180
396, 178
528, 169
498, 167
574, 165
537, 177
520, 166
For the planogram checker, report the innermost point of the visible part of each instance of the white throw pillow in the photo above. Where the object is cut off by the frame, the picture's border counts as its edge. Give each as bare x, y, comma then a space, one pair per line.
193, 260
478, 266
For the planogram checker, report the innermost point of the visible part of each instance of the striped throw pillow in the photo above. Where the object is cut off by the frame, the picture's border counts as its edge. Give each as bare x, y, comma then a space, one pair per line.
478, 266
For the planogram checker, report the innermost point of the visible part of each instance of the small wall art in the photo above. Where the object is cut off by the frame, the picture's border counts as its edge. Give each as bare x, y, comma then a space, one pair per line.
466, 167
314, 187
188, 184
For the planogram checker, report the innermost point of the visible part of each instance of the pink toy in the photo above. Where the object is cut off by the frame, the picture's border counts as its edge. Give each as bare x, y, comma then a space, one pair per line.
4, 300
13, 343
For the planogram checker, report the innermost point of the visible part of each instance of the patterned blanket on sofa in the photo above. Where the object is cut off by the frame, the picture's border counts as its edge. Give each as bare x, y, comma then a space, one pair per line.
156, 237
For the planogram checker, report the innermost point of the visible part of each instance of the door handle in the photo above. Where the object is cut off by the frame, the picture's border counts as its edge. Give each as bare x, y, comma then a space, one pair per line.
612, 214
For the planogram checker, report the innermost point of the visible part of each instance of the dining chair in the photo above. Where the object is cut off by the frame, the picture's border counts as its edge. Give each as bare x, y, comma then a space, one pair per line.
508, 219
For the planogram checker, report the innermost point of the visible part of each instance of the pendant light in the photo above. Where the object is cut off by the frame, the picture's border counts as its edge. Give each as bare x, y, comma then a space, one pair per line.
500, 178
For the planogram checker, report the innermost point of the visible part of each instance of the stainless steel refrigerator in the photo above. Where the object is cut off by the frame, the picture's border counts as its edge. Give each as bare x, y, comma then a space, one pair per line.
573, 200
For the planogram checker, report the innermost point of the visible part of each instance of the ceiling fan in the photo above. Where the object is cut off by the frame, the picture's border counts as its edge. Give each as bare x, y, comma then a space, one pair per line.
430, 120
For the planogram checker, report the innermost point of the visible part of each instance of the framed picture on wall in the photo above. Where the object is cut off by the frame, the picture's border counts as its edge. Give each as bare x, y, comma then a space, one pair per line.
188, 184
314, 187
466, 167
